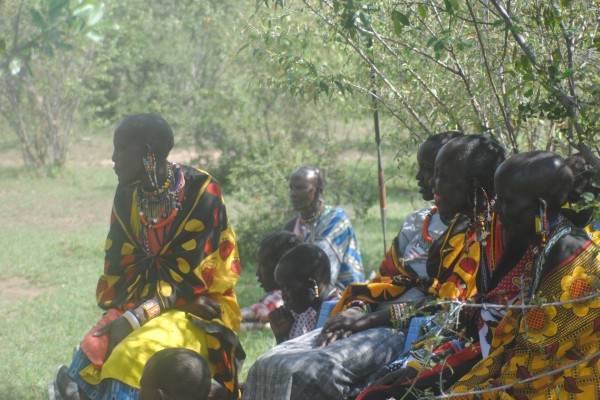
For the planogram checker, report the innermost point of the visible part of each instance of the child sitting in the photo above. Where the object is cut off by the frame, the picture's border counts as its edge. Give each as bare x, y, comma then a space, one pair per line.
269, 252
304, 276
175, 374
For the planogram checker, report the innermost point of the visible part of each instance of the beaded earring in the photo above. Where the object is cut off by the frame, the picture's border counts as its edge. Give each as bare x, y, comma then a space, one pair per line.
541, 222
314, 291
475, 204
149, 161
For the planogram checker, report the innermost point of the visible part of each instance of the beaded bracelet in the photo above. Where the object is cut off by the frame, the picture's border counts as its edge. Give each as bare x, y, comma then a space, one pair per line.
360, 305
151, 309
400, 315
132, 319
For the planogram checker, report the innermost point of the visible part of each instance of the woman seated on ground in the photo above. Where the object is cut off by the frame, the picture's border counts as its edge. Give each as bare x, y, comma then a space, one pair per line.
269, 252
358, 345
406, 259
549, 346
303, 274
326, 226
454, 345
170, 268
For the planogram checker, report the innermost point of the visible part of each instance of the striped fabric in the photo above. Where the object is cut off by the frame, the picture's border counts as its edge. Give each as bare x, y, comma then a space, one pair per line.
297, 370
334, 234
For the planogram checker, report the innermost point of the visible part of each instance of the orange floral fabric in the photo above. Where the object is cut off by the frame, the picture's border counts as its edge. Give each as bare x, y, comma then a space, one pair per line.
532, 342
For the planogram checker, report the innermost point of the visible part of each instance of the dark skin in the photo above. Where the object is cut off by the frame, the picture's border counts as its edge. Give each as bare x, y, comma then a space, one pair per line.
265, 274
129, 168
296, 296
519, 187
426, 163
305, 195
350, 321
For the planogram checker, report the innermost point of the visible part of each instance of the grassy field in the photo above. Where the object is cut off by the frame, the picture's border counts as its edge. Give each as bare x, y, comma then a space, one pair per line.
52, 255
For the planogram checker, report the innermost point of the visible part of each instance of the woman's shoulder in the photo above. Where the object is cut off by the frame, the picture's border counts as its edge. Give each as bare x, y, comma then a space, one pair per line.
566, 248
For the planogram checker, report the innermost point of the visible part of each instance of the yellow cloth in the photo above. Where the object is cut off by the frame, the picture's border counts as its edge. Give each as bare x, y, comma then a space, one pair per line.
532, 343
127, 361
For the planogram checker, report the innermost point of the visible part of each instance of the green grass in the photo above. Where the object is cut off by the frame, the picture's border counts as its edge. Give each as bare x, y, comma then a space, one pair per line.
52, 246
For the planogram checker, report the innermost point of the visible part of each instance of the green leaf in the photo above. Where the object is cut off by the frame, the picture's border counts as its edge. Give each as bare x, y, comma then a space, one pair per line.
450, 7
566, 3
94, 36
37, 19
566, 74
56, 9
339, 86
587, 196
400, 20
242, 48
422, 8
96, 15
15, 66
324, 87
64, 46
48, 50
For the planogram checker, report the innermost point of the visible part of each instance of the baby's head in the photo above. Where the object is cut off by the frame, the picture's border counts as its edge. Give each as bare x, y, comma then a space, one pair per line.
175, 374
269, 252
300, 273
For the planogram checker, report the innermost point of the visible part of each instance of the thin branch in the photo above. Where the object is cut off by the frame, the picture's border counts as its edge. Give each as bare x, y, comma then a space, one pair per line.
505, 115
485, 306
365, 58
417, 77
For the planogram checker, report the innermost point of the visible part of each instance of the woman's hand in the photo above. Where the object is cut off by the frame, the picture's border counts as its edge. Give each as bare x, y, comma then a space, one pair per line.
204, 307
281, 321
116, 330
341, 326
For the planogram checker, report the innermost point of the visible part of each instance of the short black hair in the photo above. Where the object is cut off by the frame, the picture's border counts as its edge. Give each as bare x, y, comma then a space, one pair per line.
307, 261
182, 374
482, 155
272, 247
151, 130
440, 139
319, 176
543, 172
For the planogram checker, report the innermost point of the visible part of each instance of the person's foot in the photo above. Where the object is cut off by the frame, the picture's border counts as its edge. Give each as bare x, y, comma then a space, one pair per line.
66, 385
53, 393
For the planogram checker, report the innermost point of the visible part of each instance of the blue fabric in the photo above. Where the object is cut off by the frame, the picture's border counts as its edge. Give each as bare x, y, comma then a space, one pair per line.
335, 228
326, 308
415, 330
108, 389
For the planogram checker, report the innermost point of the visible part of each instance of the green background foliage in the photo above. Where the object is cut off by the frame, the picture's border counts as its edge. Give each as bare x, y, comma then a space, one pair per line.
253, 90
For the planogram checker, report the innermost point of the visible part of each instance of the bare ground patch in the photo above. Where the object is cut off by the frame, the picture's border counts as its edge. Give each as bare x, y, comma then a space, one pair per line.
16, 288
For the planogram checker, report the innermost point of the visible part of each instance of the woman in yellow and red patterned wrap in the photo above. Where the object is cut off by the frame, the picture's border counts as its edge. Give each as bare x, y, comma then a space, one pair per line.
170, 268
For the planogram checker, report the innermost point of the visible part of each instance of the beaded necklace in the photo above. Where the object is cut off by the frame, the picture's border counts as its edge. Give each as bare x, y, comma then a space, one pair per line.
315, 216
425, 228
158, 208
559, 228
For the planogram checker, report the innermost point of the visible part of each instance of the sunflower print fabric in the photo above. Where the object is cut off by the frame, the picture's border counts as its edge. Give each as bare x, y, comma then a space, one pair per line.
530, 344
